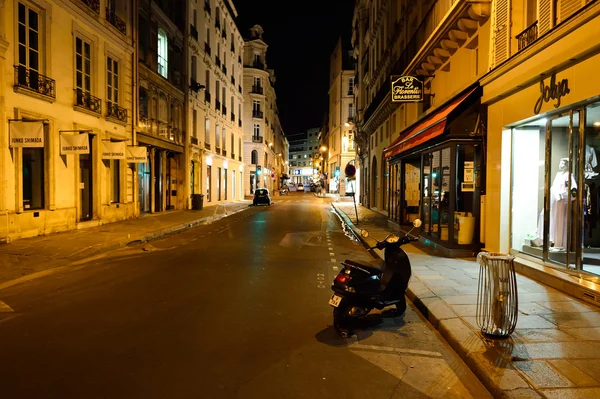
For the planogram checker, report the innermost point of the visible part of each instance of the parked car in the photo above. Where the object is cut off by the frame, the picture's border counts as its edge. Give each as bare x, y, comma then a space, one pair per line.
261, 197
300, 187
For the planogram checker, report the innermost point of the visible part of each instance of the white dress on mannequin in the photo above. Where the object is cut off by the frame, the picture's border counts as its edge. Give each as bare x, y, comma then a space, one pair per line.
590, 162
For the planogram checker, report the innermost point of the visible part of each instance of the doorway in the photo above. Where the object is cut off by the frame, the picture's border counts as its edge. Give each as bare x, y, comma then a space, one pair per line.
158, 182
86, 189
144, 186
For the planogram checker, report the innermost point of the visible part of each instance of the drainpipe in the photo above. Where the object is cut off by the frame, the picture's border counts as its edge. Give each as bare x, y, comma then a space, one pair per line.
134, 104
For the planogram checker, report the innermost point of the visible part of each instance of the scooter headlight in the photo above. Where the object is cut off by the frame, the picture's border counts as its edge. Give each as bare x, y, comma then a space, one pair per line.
392, 239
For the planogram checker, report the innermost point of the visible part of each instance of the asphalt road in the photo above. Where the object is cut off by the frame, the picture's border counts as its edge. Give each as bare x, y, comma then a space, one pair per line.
233, 309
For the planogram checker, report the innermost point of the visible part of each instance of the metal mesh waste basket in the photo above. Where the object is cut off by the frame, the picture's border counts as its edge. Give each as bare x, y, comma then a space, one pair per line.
497, 298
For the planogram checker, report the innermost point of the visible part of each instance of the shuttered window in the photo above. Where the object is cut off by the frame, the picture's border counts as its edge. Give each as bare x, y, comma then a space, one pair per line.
545, 19
501, 31
566, 8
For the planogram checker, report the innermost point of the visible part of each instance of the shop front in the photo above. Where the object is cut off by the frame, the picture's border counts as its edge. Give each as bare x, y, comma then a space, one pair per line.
435, 173
553, 140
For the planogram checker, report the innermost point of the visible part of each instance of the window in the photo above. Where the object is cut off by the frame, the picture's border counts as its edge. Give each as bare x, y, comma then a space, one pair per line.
194, 123
218, 184
256, 130
207, 130
29, 50
240, 147
207, 81
115, 177
218, 136
232, 143
112, 81
255, 105
224, 140
254, 157
350, 111
225, 182
33, 178
163, 49
257, 82
351, 86
218, 89
83, 65
193, 68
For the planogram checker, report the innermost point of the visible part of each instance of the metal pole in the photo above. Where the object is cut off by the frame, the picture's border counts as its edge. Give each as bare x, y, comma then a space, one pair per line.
355, 210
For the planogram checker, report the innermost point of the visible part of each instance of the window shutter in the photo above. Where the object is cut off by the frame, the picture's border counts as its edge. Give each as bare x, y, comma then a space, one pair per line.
501, 31
545, 19
566, 8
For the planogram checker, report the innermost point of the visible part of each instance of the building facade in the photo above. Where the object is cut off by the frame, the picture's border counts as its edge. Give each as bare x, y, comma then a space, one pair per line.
543, 122
265, 144
340, 146
214, 149
425, 158
67, 123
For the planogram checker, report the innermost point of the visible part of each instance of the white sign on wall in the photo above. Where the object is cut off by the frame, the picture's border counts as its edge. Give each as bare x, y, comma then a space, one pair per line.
113, 150
74, 144
26, 134
137, 154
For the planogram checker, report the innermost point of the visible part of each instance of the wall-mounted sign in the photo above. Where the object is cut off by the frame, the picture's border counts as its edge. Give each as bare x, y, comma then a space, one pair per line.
113, 150
350, 170
406, 89
296, 172
74, 144
26, 134
554, 91
137, 154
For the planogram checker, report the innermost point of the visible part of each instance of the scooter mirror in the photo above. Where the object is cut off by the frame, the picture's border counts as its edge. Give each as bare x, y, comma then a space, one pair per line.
364, 233
417, 223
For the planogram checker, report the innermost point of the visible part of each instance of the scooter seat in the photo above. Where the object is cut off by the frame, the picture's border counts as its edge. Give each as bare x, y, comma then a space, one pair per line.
373, 268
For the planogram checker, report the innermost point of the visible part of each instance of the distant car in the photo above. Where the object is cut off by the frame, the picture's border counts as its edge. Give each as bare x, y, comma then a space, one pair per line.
300, 187
261, 197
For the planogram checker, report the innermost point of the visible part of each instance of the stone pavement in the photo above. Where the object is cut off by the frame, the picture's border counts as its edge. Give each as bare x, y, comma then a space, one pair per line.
554, 351
25, 259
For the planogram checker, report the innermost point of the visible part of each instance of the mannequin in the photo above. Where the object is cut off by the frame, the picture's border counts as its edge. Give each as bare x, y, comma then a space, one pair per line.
559, 197
590, 162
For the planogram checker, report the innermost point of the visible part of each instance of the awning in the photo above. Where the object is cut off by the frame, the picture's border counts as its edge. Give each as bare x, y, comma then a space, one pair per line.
426, 129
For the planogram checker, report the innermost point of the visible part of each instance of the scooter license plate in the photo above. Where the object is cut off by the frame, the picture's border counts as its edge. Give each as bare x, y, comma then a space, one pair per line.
335, 300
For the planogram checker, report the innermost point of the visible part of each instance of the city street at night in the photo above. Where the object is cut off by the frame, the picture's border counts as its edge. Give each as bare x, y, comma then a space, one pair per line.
236, 308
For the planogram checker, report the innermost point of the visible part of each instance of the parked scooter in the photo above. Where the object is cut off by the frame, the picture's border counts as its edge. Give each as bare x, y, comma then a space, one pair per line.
284, 190
360, 287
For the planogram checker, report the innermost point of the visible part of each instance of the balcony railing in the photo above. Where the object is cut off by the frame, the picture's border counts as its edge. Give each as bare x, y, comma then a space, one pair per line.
224, 69
194, 140
218, 61
257, 89
224, 109
232, 156
256, 113
224, 152
207, 7
232, 80
218, 105
257, 139
114, 111
93, 4
86, 101
258, 64
116, 21
207, 145
194, 32
33, 81
528, 36
232, 117
207, 96
206, 48
240, 122
161, 129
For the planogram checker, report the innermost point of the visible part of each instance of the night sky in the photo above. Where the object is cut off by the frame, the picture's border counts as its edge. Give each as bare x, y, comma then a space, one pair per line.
301, 36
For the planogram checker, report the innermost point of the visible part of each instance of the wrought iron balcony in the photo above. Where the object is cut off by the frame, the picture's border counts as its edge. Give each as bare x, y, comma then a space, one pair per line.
232, 80
232, 117
224, 152
224, 68
528, 36
207, 7
207, 145
240, 122
218, 150
258, 64
206, 48
93, 4
257, 139
218, 105
218, 61
114, 111
193, 32
257, 89
256, 113
86, 101
33, 81
224, 109
194, 140
207, 96
116, 21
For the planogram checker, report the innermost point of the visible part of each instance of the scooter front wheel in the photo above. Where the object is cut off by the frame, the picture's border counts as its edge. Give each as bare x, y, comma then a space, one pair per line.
401, 306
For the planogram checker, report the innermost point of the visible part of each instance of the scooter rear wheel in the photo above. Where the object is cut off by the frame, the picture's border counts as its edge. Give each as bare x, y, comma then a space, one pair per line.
341, 320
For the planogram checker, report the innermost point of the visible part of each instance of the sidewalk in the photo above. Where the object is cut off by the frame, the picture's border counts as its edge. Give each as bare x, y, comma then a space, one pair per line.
553, 353
22, 259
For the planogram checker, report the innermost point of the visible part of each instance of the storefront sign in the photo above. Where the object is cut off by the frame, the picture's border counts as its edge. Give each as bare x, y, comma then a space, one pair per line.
74, 144
554, 91
406, 89
113, 150
26, 134
137, 154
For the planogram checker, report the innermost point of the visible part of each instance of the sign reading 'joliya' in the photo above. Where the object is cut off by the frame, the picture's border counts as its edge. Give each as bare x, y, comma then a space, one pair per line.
406, 89
554, 91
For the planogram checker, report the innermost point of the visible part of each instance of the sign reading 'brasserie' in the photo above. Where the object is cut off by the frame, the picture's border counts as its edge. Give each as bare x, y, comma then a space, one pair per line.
406, 89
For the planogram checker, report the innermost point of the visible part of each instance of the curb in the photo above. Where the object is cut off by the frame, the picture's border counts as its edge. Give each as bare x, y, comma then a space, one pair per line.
502, 382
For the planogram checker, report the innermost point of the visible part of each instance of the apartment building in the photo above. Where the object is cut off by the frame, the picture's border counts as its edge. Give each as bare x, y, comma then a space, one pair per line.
214, 149
543, 121
67, 153
423, 158
265, 144
340, 146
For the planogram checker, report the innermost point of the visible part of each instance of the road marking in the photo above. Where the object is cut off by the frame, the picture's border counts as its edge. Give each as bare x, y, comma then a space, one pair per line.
399, 350
331, 254
331, 248
336, 268
4, 308
333, 260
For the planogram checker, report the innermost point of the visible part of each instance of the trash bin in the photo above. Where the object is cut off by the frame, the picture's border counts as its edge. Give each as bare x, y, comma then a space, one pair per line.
497, 298
197, 202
